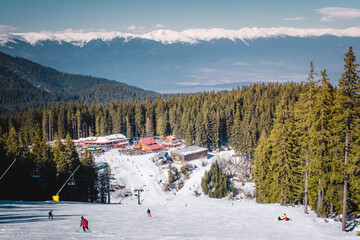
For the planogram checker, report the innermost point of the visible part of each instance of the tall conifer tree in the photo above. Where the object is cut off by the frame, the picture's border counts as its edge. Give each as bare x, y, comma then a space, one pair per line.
347, 118
304, 115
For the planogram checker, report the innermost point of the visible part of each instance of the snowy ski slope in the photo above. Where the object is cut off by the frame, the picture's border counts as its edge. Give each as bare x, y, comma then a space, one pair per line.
175, 214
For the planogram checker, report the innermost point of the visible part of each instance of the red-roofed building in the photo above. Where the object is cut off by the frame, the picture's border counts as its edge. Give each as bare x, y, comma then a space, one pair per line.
149, 145
171, 142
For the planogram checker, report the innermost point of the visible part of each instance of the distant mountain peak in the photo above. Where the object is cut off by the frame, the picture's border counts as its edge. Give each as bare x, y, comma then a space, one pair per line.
166, 36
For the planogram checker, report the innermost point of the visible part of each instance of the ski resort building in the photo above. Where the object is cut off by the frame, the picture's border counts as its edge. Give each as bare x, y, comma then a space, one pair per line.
171, 142
148, 145
188, 154
114, 140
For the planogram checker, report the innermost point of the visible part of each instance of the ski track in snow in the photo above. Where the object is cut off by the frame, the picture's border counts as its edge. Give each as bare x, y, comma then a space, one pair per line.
180, 216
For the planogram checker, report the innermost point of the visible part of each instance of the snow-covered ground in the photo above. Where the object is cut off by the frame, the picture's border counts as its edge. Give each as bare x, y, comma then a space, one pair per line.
175, 214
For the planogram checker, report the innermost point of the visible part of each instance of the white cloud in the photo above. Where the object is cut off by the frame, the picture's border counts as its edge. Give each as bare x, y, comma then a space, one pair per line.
217, 77
6, 28
240, 64
136, 29
293, 19
274, 64
132, 27
159, 26
333, 14
70, 30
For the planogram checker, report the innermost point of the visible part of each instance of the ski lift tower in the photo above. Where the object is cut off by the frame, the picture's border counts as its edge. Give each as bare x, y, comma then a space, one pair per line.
72, 183
108, 178
138, 190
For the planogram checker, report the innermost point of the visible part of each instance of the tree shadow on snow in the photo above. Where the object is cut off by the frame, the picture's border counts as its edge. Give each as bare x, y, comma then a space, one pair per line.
351, 223
17, 218
351, 226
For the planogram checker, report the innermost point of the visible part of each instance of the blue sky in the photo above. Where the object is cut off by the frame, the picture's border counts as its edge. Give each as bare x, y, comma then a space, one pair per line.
138, 16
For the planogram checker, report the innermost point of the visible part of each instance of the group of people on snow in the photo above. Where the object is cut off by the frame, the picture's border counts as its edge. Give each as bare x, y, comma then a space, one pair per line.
283, 218
84, 222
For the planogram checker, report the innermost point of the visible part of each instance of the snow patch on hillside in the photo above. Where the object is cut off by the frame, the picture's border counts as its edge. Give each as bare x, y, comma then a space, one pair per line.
141, 172
165, 36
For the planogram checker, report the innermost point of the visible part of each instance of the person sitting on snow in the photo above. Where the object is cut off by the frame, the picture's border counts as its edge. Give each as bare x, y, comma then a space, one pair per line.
285, 217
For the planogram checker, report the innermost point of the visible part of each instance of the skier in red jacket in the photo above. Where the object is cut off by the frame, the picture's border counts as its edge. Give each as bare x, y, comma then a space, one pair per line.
84, 224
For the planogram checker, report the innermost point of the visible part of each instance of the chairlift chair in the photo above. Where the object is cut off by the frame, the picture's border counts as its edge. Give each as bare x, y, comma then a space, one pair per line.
71, 181
35, 173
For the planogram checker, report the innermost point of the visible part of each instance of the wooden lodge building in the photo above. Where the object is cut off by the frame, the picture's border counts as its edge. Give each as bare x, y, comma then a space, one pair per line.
171, 142
188, 154
148, 145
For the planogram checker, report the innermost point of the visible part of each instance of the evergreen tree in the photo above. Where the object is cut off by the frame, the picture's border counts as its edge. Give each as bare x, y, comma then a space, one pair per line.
61, 122
88, 173
262, 172
150, 126
216, 183
347, 119
320, 144
285, 165
304, 117
139, 120
59, 156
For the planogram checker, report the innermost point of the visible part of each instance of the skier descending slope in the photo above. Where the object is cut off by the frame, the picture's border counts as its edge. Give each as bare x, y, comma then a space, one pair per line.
84, 224
148, 212
51, 215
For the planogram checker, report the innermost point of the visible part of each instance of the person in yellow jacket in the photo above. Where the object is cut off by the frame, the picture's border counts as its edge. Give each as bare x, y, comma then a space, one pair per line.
285, 217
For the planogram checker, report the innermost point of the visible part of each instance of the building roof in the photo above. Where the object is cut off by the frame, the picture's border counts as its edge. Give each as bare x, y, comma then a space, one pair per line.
150, 144
155, 146
189, 150
147, 141
105, 139
170, 139
162, 154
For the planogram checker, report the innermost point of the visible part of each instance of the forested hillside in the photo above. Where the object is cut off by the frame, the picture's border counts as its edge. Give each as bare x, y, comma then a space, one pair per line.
26, 84
205, 119
234, 118
302, 139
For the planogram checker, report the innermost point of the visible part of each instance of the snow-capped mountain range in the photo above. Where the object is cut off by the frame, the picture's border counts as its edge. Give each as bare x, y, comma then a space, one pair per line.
192, 60
165, 36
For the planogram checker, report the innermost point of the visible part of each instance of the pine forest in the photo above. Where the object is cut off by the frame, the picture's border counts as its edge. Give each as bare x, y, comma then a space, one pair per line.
303, 139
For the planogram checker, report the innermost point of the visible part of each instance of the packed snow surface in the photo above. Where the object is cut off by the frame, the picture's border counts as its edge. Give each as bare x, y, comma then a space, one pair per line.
175, 214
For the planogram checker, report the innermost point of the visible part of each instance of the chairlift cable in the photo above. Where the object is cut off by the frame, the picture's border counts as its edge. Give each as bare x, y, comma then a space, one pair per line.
67, 181
7, 169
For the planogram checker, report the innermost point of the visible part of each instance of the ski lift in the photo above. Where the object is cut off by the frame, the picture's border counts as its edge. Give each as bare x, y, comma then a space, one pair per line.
71, 181
35, 173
